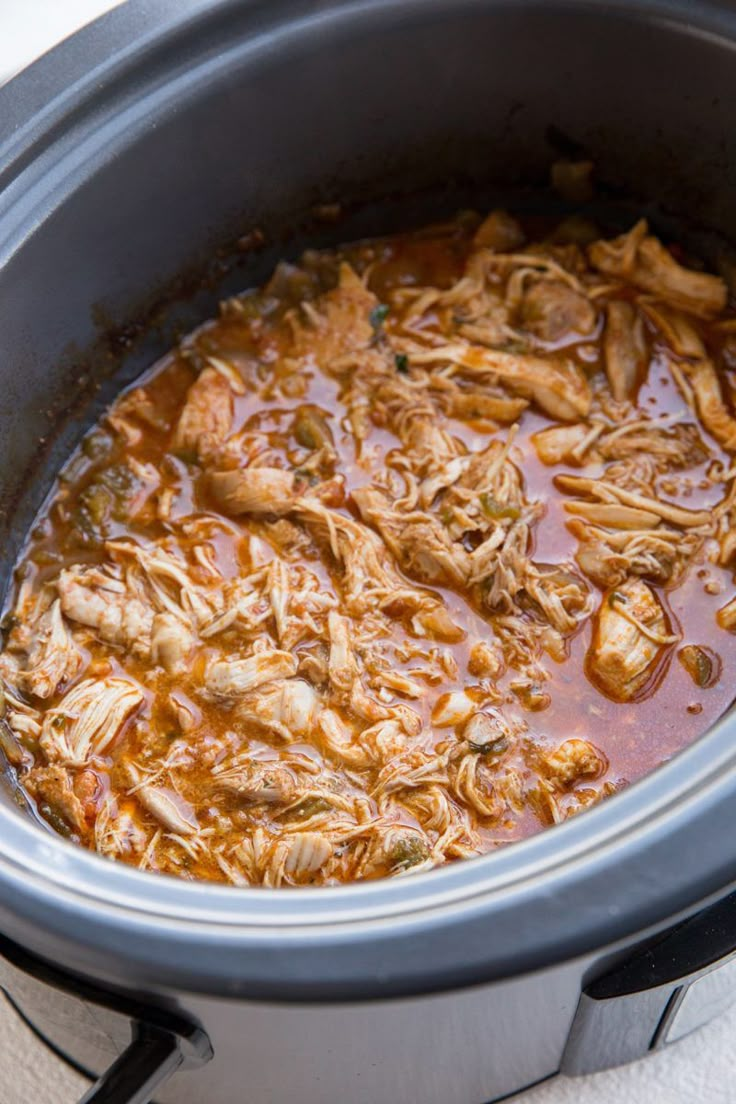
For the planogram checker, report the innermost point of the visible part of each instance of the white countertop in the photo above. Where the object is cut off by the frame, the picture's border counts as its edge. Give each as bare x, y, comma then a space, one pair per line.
699, 1070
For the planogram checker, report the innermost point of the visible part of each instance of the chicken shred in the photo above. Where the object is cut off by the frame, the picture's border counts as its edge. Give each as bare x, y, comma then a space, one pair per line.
624, 349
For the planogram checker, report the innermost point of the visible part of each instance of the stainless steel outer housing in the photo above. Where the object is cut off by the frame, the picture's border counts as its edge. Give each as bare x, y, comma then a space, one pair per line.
128, 155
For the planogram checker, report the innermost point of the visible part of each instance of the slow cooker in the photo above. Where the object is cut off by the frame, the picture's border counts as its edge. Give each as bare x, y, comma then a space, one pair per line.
136, 159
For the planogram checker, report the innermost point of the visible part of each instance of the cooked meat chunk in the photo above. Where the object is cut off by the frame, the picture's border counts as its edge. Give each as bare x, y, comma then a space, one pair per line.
53, 658
558, 443
262, 492
475, 405
338, 324
632, 633
102, 601
258, 783
552, 310
614, 516
453, 709
727, 616
676, 328
171, 641
575, 760
484, 661
168, 808
695, 373
606, 490
285, 707
53, 790
206, 417
231, 677
88, 720
296, 859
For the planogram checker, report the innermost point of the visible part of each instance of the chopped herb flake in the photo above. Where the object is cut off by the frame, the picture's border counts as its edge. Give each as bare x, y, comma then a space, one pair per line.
492, 508
493, 747
378, 315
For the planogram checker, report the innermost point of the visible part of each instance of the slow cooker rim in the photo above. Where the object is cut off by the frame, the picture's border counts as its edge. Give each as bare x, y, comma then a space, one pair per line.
77, 911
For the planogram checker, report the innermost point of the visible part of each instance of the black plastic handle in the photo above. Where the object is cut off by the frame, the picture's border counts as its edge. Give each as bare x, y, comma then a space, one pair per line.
147, 1040
150, 1060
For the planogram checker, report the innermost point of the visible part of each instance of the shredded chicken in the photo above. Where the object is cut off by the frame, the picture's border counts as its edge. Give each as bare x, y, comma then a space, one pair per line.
696, 373
52, 658
608, 491
320, 598
643, 261
558, 387
88, 719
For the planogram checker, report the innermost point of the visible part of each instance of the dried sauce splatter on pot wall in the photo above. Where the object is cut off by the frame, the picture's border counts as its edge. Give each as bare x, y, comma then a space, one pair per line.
422, 547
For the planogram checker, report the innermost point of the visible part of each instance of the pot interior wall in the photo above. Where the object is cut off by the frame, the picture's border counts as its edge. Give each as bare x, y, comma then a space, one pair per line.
249, 115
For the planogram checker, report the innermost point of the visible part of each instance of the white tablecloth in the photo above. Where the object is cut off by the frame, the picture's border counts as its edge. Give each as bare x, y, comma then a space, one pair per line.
699, 1070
